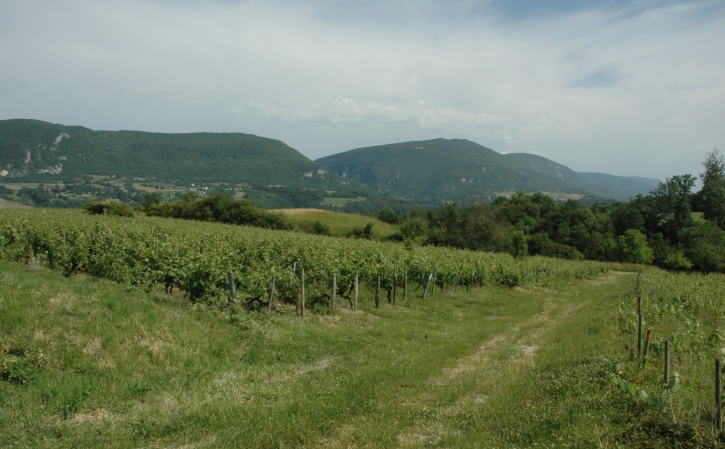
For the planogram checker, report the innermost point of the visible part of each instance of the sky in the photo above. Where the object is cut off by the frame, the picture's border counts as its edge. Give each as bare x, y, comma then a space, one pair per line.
633, 88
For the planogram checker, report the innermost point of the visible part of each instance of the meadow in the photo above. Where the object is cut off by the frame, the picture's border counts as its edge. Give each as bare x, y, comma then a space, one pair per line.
547, 361
340, 224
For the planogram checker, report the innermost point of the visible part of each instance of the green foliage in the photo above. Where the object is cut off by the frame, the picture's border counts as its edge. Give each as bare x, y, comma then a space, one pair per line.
671, 206
366, 232
519, 247
540, 244
388, 215
222, 209
196, 256
676, 260
632, 247
111, 208
315, 227
712, 195
703, 245
414, 229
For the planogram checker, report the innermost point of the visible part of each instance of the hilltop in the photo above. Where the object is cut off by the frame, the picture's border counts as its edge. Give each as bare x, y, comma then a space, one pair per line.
461, 170
36, 151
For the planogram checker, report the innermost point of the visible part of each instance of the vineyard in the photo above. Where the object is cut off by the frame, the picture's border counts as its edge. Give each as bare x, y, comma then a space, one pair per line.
197, 258
687, 311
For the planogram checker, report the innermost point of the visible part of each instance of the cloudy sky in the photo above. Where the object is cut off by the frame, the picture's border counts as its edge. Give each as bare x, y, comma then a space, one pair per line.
621, 87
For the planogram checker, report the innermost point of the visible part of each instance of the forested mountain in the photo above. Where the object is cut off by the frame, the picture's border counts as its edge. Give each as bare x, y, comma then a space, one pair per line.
460, 170
35, 151
275, 175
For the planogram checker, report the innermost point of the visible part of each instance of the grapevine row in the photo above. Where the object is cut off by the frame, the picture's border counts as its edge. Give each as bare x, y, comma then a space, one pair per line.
196, 256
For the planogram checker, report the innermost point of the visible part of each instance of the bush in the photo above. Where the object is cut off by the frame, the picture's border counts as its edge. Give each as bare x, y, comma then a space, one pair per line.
388, 215
704, 245
632, 247
363, 233
540, 244
113, 208
676, 260
519, 247
219, 208
315, 227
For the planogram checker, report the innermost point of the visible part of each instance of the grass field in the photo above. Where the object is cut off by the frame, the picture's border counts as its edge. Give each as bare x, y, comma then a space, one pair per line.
12, 205
88, 363
340, 223
103, 367
341, 202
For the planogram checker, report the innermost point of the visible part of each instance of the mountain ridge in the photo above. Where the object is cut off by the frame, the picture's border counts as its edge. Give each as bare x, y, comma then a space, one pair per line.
422, 172
461, 170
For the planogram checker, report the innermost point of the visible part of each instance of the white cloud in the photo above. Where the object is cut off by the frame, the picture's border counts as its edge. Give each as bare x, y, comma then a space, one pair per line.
627, 91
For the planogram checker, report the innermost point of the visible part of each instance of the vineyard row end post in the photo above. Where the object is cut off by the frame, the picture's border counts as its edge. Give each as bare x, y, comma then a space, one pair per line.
271, 295
302, 295
377, 292
667, 362
232, 286
357, 274
427, 284
334, 294
639, 337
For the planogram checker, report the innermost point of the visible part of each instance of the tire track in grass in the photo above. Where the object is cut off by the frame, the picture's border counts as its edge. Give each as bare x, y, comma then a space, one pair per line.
497, 361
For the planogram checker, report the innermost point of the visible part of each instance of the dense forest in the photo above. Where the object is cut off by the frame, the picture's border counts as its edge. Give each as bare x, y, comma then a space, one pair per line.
671, 227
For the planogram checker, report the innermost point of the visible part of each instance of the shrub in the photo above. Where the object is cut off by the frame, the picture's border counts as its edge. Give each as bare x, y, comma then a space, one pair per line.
113, 208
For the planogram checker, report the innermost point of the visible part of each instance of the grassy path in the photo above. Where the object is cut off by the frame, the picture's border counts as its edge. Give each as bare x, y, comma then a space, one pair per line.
105, 367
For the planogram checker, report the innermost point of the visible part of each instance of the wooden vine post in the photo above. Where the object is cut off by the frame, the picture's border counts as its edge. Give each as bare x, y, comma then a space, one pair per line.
435, 278
646, 344
639, 337
232, 286
427, 284
357, 275
395, 286
302, 295
334, 293
377, 292
667, 362
405, 285
271, 295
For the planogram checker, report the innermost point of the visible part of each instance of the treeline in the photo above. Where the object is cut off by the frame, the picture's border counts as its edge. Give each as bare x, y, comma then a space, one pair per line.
658, 228
217, 208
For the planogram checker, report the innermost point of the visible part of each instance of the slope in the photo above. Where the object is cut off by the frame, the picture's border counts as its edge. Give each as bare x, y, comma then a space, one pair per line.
460, 170
32, 150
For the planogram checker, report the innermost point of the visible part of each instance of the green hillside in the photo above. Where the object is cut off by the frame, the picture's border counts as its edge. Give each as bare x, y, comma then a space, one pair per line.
460, 170
32, 150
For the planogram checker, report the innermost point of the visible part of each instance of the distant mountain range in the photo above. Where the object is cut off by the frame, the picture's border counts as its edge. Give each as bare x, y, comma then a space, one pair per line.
31, 150
424, 172
460, 170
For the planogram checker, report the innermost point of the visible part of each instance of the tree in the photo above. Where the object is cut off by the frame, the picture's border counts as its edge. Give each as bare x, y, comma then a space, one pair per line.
712, 195
704, 245
413, 228
672, 205
632, 247
388, 215
519, 247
